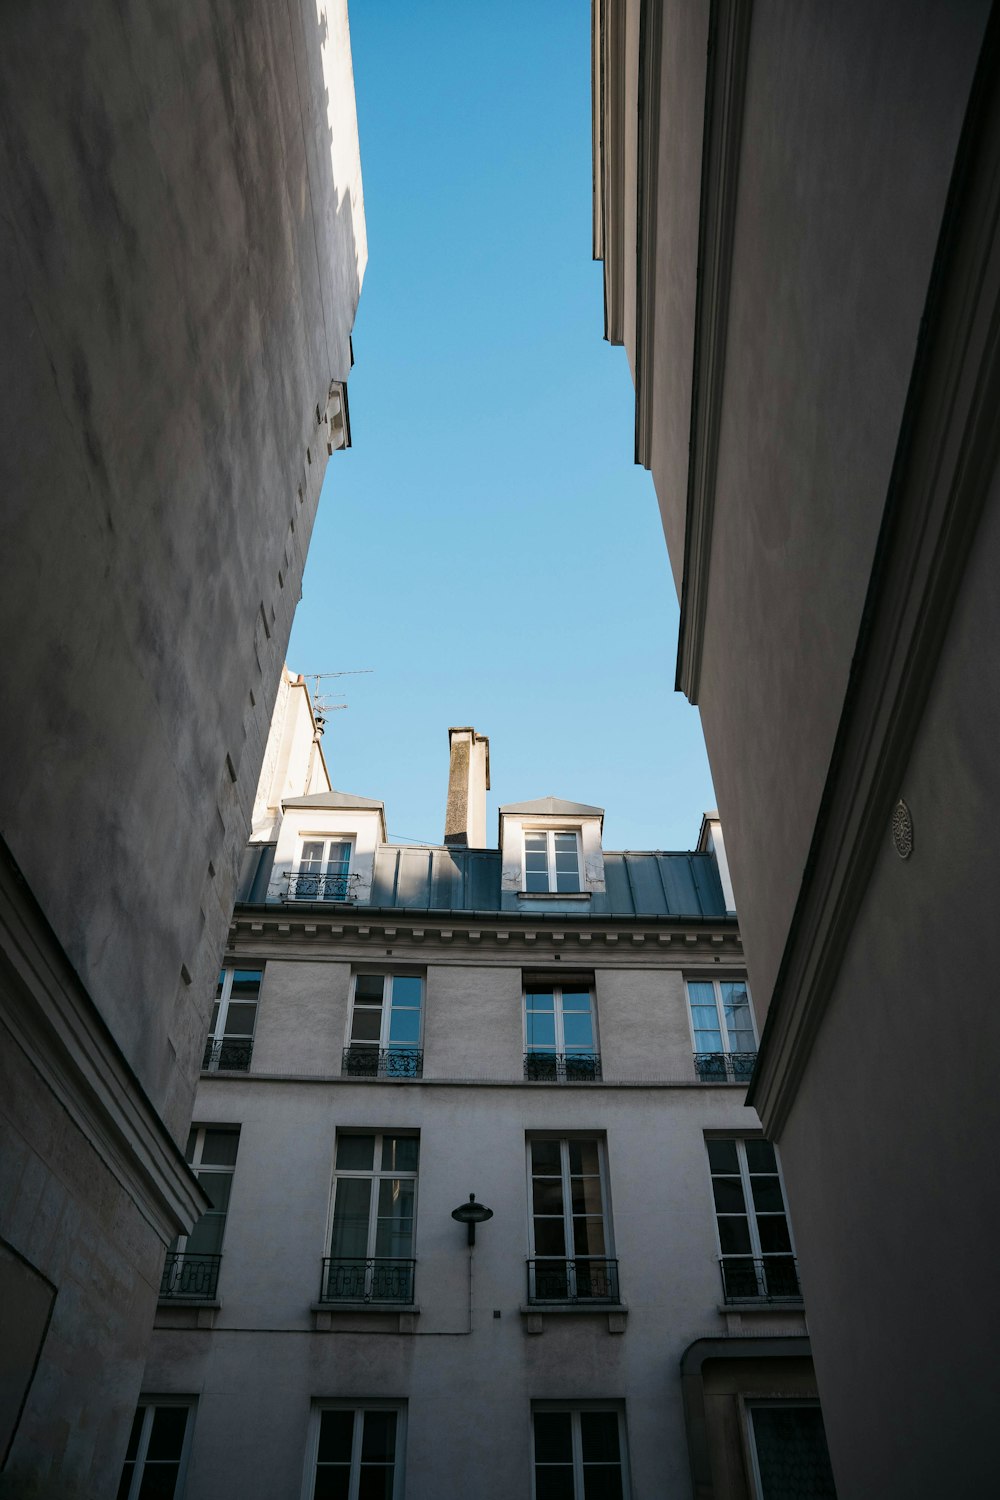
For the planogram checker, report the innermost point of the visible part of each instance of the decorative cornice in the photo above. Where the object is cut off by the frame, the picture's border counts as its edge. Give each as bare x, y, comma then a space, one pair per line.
650, 56
945, 461
725, 87
55, 1022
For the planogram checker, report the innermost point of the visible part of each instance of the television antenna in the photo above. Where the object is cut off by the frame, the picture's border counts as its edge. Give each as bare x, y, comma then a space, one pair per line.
329, 703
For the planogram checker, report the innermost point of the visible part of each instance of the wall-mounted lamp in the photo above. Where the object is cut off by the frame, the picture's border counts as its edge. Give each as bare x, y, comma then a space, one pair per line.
472, 1213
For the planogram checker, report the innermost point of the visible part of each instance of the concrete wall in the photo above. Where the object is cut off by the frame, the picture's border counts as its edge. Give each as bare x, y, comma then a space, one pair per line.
469, 1393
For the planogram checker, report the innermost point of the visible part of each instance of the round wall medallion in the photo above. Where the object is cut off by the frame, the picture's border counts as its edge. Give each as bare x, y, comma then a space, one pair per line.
902, 830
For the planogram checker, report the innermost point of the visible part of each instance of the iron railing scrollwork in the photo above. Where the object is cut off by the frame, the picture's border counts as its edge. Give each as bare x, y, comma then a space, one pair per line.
559, 1067
189, 1275
228, 1054
321, 885
584, 1278
378, 1280
725, 1067
383, 1062
768, 1278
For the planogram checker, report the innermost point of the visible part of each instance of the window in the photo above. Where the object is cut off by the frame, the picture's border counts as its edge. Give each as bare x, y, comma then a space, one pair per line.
551, 860
191, 1268
324, 870
230, 1040
358, 1453
559, 1033
157, 1450
570, 1233
579, 1453
374, 1204
385, 1027
758, 1262
725, 1047
789, 1452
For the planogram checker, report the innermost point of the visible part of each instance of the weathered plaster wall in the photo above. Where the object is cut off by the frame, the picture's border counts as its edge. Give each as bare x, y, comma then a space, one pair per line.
182, 240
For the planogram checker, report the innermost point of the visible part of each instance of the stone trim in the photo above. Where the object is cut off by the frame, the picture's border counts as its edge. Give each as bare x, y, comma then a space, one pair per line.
648, 165
725, 87
61, 1032
946, 458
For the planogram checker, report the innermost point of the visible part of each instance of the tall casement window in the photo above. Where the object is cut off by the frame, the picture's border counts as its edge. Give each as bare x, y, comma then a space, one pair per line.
757, 1258
559, 1034
571, 1256
725, 1044
788, 1451
157, 1450
551, 860
230, 1041
191, 1268
357, 1452
324, 870
374, 1207
579, 1453
385, 1035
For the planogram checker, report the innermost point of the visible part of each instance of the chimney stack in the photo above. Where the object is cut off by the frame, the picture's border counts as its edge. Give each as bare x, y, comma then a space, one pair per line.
468, 783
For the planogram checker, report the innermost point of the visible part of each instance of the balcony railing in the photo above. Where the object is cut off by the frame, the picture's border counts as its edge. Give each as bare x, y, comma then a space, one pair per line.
191, 1276
725, 1067
586, 1278
230, 1054
319, 885
559, 1067
771, 1278
383, 1062
381, 1280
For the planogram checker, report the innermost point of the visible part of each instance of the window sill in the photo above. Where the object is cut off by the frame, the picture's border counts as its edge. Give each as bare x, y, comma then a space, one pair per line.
186, 1312
333, 1317
759, 1305
554, 895
535, 1313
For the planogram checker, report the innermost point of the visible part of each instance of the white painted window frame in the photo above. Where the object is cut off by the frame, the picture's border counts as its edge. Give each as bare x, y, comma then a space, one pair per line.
578, 1409
751, 1212
388, 977
557, 994
602, 1167
550, 859
152, 1403
374, 1176
180, 1244
717, 981
326, 839
219, 1034
358, 1408
750, 1437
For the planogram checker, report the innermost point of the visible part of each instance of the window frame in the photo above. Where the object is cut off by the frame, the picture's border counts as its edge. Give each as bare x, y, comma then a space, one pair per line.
373, 1176
152, 1404
558, 986
577, 1410
301, 872
216, 1034
564, 1138
756, 1254
179, 1246
750, 1404
383, 1047
549, 832
359, 1407
725, 1050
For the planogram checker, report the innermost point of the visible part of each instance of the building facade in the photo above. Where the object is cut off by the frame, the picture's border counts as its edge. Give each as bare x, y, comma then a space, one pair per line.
491, 1214
183, 245
796, 207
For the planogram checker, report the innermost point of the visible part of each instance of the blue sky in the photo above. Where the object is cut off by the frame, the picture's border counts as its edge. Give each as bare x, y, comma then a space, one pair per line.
487, 546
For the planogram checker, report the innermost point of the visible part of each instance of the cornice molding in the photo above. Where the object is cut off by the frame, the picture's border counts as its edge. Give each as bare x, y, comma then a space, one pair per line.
650, 59
609, 34
725, 88
946, 458
55, 1022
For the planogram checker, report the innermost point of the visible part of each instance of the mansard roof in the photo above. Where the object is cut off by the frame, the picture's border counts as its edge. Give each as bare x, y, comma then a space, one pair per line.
333, 800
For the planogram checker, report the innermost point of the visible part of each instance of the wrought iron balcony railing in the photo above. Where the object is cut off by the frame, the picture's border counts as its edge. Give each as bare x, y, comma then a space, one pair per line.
231, 1054
383, 1062
559, 1067
379, 1280
585, 1278
770, 1278
725, 1067
188, 1275
320, 885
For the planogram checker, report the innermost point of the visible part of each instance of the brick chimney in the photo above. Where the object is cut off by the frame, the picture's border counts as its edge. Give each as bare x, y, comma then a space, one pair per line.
468, 783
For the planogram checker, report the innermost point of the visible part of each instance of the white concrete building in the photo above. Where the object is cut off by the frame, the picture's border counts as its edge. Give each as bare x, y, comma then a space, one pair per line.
562, 1032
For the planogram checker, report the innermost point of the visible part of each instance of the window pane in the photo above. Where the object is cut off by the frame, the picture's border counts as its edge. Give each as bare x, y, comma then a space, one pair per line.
159, 1482
565, 842
578, 1032
215, 1020
240, 1020
553, 1437
734, 1236
219, 1148
336, 1430
722, 1156
355, 1153
406, 990
399, 1153
773, 1232
567, 880
586, 1194
550, 1237
547, 1195
206, 1236
394, 1229
599, 1432
583, 1157
375, 1482
533, 842
576, 1000
404, 1027
536, 880
728, 1195
218, 1186
540, 1000
541, 1030
350, 1217
554, 1483
366, 1025
333, 1481
791, 1453
339, 857
760, 1156
125, 1483
369, 986
588, 1236
246, 984
602, 1482
767, 1195
546, 1160
133, 1440
312, 853
379, 1439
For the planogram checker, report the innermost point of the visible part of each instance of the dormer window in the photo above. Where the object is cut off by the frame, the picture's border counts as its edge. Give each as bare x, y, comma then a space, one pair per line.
551, 860
324, 871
